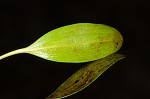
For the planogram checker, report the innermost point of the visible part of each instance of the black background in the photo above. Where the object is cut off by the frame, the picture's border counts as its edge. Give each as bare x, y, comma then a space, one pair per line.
28, 77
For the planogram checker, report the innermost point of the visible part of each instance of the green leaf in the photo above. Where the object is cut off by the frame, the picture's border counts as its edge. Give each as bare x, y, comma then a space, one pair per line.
84, 76
75, 43
81, 42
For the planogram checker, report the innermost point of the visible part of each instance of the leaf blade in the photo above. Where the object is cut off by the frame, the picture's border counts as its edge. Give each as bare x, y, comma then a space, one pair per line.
76, 43
84, 76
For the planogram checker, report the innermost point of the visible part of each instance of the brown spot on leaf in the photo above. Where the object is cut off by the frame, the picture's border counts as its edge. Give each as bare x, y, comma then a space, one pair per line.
76, 81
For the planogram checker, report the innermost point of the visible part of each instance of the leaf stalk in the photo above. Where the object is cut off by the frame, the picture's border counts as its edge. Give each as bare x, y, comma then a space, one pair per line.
18, 51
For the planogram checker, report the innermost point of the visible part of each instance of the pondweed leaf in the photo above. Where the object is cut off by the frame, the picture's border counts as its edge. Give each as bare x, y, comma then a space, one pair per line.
75, 43
81, 42
85, 76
